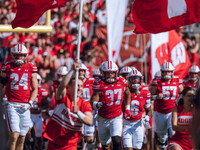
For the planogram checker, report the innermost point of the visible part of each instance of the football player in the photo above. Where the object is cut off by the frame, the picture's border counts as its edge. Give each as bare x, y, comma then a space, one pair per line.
20, 78
88, 131
108, 93
124, 71
165, 92
36, 112
133, 129
193, 79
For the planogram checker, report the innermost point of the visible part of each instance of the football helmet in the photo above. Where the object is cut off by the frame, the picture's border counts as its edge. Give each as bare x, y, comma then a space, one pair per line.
133, 68
19, 50
157, 74
85, 69
133, 76
124, 71
167, 67
109, 67
96, 73
39, 80
194, 70
61, 72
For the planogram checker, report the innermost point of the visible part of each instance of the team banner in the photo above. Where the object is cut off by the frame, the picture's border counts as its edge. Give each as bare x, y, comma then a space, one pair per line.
155, 16
167, 46
115, 25
133, 51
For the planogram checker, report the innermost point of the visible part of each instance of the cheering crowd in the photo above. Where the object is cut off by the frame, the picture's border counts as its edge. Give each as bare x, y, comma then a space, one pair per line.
114, 108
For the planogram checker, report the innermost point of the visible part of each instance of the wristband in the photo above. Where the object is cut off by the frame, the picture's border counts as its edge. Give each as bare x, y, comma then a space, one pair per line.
154, 97
128, 107
94, 105
70, 73
31, 102
81, 115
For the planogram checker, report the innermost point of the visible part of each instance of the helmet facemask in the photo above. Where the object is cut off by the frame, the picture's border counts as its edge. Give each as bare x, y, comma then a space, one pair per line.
193, 76
19, 59
166, 75
110, 76
134, 82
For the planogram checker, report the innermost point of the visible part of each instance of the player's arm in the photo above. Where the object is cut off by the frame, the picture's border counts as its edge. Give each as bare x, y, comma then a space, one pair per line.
127, 96
61, 92
85, 117
153, 89
181, 88
175, 127
34, 85
95, 100
148, 111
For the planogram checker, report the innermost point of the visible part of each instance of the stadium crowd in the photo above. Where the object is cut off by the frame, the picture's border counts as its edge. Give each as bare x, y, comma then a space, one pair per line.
125, 110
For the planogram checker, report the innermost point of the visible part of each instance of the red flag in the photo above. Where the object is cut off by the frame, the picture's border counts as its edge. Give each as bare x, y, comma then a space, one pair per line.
167, 46
155, 16
29, 11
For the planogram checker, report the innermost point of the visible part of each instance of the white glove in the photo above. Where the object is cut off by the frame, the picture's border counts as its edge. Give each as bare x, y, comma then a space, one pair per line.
145, 121
97, 105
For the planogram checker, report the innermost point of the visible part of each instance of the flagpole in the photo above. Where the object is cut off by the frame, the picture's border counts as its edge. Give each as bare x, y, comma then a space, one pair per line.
78, 50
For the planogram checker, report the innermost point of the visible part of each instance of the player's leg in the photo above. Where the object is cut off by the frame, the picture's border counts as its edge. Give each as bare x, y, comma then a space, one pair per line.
89, 135
116, 132
24, 125
127, 136
98, 143
38, 129
20, 142
138, 137
13, 136
161, 129
104, 133
12, 119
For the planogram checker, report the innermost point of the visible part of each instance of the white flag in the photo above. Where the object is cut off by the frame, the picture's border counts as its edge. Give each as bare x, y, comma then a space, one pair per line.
115, 25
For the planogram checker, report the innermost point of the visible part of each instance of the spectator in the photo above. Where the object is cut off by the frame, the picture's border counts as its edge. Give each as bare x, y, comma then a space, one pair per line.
101, 16
68, 61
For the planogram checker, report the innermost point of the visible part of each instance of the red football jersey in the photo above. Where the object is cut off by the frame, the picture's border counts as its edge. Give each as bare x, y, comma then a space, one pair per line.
64, 126
18, 81
144, 90
138, 103
38, 101
182, 137
187, 83
87, 91
170, 92
111, 96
